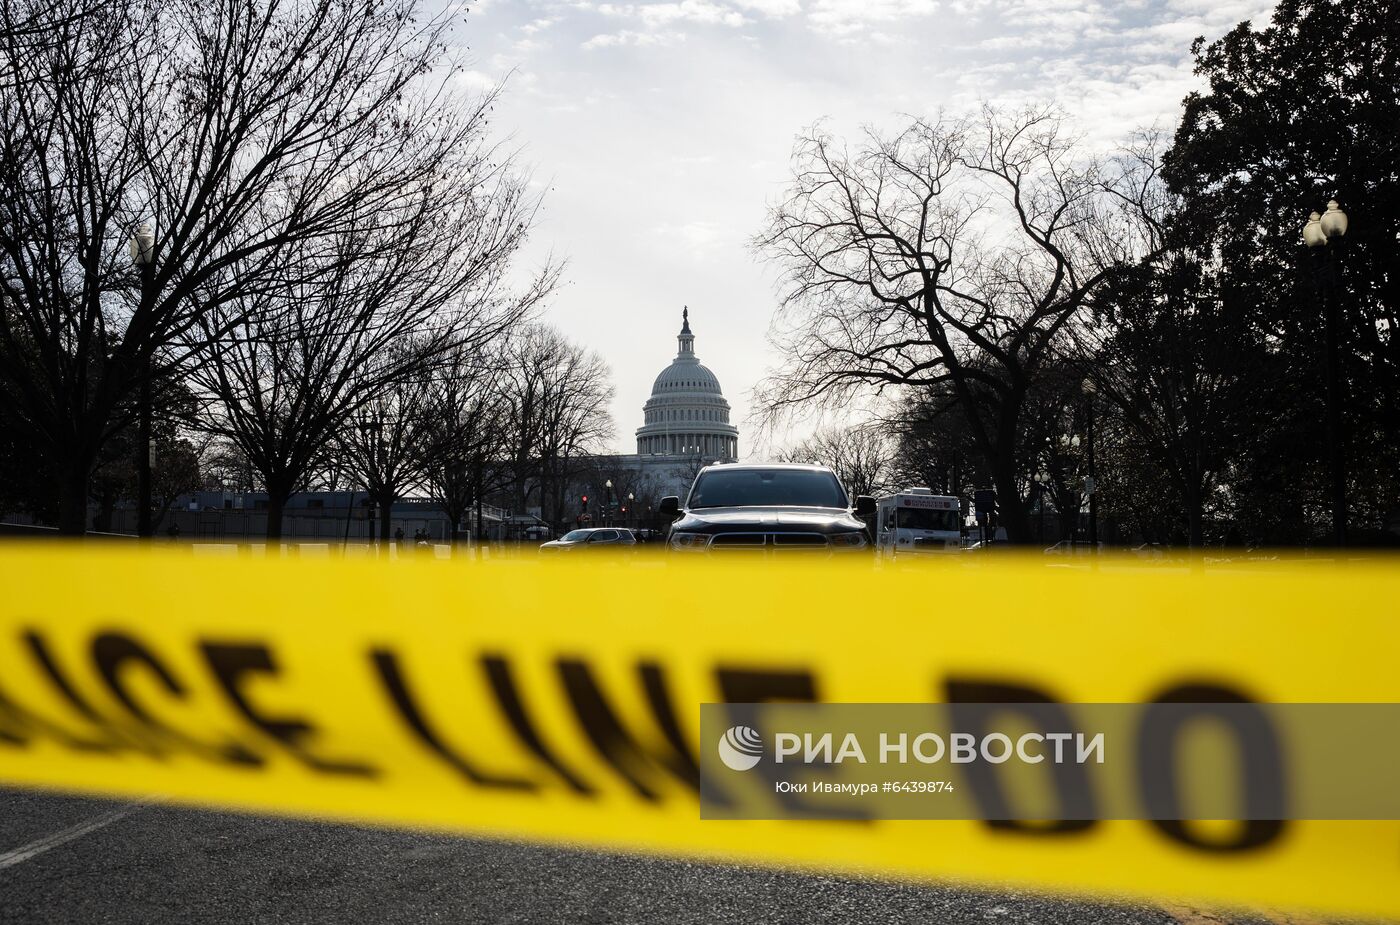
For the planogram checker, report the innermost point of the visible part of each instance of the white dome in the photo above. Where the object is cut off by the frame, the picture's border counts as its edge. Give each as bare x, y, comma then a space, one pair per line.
688, 376
687, 414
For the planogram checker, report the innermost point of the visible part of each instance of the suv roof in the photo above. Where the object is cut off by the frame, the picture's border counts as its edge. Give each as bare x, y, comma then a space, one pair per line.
810, 467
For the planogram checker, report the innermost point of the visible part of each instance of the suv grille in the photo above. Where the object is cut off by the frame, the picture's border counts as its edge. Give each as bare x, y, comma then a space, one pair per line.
751, 540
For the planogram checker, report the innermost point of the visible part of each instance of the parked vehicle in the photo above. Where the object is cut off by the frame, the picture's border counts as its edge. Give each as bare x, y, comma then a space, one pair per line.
1073, 548
592, 538
772, 508
918, 521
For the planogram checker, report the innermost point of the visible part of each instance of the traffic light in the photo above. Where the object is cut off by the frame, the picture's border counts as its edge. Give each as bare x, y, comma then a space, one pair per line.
585, 502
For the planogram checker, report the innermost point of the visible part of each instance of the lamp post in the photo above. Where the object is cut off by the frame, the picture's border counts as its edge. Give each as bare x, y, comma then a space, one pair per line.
1091, 484
373, 431
631, 511
143, 257
1042, 481
608, 502
1323, 235
1069, 444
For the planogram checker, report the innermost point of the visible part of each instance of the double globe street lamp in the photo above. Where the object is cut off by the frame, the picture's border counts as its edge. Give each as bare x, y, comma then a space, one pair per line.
1042, 481
1091, 487
1323, 235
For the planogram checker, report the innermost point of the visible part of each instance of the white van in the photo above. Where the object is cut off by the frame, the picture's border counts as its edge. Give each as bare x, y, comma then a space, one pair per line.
917, 520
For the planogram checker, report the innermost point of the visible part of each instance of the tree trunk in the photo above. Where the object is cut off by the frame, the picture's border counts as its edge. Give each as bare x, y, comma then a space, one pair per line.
385, 500
73, 498
102, 520
1195, 515
1011, 511
276, 505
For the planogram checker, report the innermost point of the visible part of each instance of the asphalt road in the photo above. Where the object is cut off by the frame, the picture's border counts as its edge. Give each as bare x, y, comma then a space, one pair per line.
80, 860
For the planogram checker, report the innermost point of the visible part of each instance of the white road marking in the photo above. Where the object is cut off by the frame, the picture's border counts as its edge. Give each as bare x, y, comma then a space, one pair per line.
63, 836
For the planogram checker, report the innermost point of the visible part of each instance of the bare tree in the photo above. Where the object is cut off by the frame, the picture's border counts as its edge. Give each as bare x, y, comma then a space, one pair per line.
574, 421
244, 133
386, 441
862, 457
558, 395
467, 429
415, 283
952, 255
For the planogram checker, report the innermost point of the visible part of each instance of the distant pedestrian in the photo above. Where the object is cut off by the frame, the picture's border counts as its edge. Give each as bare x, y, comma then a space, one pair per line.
398, 537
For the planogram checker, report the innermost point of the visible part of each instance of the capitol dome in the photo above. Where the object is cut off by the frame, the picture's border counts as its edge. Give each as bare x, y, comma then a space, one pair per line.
687, 414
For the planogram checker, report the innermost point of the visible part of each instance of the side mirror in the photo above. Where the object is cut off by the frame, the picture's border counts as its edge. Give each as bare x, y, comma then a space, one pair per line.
865, 506
669, 508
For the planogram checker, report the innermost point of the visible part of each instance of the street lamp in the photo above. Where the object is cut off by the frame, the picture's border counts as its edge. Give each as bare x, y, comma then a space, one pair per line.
1318, 233
1042, 480
631, 511
1069, 444
609, 501
372, 431
1090, 481
143, 257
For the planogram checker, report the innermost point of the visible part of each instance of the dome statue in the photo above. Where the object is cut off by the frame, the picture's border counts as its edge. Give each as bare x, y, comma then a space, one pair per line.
687, 414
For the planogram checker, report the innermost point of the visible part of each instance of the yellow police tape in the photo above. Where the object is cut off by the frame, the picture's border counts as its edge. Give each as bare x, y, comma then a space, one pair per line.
558, 700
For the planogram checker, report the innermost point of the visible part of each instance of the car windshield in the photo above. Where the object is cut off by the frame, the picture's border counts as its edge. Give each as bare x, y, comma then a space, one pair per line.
921, 518
767, 487
575, 536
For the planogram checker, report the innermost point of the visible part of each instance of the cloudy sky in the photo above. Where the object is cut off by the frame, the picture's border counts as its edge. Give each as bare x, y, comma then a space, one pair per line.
661, 131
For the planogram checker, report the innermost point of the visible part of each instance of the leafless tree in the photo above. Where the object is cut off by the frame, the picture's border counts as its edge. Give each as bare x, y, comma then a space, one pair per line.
386, 441
951, 255
574, 421
934, 447
415, 283
862, 456
245, 133
558, 395
467, 431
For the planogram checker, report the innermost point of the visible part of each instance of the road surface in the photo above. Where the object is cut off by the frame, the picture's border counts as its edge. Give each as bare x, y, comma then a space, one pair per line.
75, 860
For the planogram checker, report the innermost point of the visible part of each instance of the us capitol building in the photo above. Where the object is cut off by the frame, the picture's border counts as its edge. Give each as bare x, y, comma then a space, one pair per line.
687, 414
685, 423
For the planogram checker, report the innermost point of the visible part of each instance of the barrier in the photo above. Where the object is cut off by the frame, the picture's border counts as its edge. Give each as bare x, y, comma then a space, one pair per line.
558, 699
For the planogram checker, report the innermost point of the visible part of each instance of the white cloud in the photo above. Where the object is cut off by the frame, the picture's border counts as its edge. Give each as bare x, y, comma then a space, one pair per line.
632, 37
696, 239
476, 80
657, 15
774, 9
848, 18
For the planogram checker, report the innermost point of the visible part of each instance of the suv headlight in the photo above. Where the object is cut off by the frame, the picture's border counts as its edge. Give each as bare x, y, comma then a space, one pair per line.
847, 540
689, 540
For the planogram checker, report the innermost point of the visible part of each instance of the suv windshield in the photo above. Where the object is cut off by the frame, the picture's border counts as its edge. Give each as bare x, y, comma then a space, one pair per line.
767, 487
575, 536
